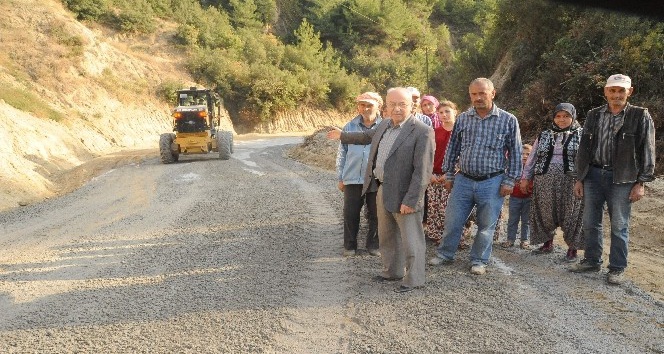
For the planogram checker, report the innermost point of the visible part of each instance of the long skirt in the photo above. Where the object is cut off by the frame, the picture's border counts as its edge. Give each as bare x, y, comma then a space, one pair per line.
554, 205
436, 204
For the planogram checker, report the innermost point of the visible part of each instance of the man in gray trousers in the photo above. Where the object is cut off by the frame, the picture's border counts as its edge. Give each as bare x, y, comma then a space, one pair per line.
400, 164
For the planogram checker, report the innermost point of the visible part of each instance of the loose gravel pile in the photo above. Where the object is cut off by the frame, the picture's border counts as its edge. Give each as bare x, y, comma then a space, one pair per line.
244, 256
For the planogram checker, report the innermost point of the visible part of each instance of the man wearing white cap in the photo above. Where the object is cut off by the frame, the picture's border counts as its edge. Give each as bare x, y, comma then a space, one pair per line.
616, 156
415, 93
351, 164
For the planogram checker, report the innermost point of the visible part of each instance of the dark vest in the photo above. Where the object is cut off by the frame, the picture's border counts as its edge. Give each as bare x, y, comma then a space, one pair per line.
545, 145
626, 161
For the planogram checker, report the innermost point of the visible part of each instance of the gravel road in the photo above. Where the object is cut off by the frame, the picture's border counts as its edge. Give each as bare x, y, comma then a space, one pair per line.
244, 256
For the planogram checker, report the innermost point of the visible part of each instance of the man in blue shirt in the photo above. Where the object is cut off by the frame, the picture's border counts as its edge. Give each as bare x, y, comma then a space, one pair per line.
351, 164
486, 147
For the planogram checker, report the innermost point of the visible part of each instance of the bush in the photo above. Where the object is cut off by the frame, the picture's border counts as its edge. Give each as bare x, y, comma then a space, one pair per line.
343, 89
166, 91
92, 10
133, 21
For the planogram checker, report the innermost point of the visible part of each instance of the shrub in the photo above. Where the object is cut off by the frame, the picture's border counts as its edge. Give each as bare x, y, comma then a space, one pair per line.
135, 18
166, 91
91, 10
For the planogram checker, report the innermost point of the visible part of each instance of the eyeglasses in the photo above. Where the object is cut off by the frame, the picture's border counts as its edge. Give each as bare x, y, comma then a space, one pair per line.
401, 105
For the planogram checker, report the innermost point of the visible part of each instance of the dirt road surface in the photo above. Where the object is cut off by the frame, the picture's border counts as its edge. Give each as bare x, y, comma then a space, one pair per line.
244, 256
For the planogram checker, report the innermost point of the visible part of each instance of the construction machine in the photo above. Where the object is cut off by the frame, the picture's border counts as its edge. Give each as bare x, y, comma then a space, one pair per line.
196, 130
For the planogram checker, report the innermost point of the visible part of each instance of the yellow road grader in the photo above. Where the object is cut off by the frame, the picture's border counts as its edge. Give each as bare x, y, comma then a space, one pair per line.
196, 130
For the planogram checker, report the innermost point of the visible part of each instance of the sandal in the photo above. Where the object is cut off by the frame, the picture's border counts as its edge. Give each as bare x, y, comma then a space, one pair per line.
507, 244
525, 245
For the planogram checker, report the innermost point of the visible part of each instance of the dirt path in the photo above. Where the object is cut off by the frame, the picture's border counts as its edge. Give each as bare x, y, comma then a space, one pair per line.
244, 256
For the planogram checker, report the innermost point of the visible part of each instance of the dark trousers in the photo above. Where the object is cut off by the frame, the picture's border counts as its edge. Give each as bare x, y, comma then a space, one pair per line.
353, 201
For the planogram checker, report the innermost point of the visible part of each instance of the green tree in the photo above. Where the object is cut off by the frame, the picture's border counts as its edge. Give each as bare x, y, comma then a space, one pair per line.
245, 14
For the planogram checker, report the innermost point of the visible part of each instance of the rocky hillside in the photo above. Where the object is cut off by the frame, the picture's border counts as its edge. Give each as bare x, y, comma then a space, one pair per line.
70, 93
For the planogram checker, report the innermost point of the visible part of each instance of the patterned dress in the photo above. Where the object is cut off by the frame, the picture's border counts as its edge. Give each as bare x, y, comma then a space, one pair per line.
436, 204
553, 202
436, 193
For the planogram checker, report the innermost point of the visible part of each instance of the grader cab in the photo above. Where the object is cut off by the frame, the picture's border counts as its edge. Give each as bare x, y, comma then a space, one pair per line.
196, 130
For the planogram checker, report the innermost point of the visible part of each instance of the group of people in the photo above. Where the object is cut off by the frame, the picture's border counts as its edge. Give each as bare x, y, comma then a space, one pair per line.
422, 168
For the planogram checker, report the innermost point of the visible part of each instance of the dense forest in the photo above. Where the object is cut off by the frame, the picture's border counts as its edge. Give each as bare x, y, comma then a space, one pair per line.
265, 56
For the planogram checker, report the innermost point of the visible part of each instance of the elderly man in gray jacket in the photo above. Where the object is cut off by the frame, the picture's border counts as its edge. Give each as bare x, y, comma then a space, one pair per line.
400, 163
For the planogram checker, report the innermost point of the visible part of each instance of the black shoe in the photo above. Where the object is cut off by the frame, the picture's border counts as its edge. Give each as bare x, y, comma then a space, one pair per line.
585, 266
403, 289
382, 279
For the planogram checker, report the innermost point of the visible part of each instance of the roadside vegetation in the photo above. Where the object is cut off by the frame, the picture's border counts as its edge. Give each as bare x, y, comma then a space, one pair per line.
27, 101
267, 56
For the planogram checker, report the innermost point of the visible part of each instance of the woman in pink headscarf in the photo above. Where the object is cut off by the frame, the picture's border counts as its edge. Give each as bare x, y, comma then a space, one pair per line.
443, 115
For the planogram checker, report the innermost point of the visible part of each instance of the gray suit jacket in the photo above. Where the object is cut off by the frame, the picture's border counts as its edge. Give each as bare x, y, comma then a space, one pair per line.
408, 167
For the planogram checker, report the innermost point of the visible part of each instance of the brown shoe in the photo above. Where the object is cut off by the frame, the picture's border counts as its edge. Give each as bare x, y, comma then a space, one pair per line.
616, 277
507, 244
373, 252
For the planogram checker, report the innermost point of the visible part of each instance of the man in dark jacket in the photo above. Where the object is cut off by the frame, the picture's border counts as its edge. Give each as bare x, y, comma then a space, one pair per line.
616, 157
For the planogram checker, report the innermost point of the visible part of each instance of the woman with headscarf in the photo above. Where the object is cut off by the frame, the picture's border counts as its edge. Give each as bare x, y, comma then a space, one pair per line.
443, 115
551, 167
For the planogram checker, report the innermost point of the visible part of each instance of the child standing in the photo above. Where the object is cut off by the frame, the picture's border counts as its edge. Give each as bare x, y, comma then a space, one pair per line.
519, 210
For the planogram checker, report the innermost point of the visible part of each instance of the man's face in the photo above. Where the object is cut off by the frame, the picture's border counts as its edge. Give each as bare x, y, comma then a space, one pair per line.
617, 96
481, 96
416, 102
367, 110
399, 105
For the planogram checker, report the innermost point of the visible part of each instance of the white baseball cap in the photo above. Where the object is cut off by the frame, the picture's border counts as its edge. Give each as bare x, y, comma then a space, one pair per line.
413, 91
370, 97
619, 80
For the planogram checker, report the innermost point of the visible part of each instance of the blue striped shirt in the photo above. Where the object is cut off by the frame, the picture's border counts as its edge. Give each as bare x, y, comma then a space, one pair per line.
484, 146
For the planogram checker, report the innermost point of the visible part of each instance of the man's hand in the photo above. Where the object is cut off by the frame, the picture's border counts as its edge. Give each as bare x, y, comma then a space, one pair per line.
448, 185
505, 190
578, 190
341, 186
524, 186
334, 133
637, 192
405, 209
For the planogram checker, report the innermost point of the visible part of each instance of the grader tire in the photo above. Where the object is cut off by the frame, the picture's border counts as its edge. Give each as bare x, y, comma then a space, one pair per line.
224, 145
230, 134
167, 156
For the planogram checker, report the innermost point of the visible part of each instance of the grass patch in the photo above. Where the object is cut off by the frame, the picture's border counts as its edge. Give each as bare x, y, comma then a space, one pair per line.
74, 43
28, 102
122, 88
